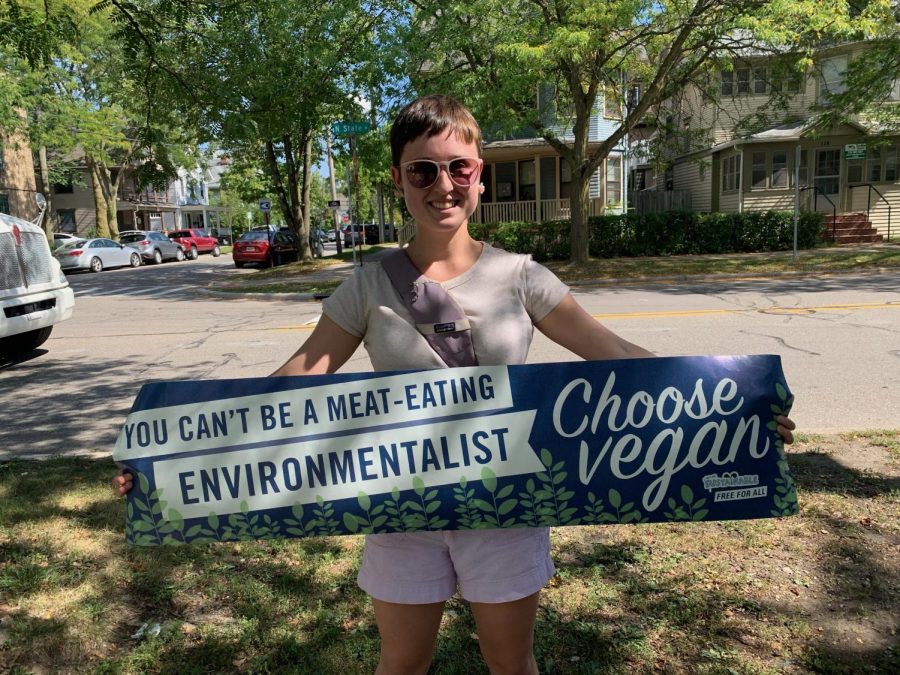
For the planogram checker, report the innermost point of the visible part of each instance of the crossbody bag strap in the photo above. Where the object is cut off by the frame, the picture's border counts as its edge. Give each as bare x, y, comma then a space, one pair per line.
437, 316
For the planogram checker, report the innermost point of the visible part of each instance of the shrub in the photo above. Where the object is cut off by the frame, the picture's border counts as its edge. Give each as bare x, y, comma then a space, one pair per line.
650, 234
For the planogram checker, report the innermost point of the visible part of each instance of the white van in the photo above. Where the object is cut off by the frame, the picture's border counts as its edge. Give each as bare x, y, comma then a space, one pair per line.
34, 293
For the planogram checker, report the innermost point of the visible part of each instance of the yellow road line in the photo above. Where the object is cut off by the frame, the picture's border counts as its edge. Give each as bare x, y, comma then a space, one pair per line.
763, 310
701, 312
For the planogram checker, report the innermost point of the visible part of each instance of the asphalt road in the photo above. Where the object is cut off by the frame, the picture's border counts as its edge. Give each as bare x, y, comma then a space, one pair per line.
839, 338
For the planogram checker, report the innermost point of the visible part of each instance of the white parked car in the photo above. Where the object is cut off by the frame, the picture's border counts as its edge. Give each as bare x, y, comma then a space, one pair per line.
34, 293
95, 255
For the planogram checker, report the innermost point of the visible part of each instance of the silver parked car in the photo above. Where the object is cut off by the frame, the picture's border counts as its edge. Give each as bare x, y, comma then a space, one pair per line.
153, 246
95, 254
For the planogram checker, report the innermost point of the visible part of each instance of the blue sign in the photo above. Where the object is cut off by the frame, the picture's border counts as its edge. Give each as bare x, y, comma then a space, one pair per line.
579, 443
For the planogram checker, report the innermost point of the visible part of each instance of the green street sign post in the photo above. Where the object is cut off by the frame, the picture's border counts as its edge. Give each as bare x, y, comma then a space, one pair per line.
350, 128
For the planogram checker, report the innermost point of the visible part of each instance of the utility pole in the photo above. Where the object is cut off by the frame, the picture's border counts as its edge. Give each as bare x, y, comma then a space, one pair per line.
336, 216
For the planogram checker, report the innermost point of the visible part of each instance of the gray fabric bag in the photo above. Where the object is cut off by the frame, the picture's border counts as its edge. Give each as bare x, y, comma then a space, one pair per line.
438, 318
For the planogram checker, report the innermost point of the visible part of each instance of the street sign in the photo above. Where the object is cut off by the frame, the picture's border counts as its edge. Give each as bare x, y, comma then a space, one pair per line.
350, 128
855, 151
265, 205
334, 203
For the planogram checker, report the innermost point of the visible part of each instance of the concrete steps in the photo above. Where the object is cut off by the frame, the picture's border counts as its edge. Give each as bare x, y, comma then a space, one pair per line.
850, 228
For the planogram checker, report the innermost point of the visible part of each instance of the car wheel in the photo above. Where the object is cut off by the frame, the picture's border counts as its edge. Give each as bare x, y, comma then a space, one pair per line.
239, 265
157, 256
179, 254
96, 265
194, 255
274, 260
216, 252
16, 345
136, 259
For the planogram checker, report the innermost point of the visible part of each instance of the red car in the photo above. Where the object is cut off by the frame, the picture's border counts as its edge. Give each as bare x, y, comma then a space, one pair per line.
195, 241
267, 248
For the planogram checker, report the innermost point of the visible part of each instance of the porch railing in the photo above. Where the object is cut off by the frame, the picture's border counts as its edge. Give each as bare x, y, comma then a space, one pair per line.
530, 211
872, 188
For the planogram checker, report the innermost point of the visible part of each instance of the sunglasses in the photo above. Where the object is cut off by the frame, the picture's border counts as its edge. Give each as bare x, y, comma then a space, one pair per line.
423, 173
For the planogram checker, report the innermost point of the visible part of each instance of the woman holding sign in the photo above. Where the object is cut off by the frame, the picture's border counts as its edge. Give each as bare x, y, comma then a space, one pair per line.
481, 306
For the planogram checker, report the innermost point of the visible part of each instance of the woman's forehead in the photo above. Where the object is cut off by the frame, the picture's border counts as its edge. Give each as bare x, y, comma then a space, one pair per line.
447, 141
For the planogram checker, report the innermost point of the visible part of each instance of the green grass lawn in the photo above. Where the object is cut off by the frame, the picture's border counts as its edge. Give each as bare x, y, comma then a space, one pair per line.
815, 593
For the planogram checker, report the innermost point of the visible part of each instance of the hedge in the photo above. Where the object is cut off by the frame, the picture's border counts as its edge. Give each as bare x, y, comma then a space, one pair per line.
650, 234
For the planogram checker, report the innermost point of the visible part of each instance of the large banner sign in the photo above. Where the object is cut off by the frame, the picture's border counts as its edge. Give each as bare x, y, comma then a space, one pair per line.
581, 443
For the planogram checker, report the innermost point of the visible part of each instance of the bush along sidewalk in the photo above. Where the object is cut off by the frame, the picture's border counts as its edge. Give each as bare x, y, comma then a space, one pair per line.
655, 234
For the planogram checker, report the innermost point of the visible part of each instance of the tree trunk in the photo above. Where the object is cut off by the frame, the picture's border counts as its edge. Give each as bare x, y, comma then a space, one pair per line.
102, 218
579, 205
47, 223
304, 191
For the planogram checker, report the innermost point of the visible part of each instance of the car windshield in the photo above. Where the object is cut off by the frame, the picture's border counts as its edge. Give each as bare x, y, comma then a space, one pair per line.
73, 243
128, 238
254, 236
179, 235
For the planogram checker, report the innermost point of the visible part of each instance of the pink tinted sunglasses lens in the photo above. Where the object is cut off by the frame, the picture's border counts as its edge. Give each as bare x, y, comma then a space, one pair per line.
423, 173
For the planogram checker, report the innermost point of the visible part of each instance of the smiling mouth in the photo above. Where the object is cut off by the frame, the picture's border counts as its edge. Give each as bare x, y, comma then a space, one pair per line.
445, 204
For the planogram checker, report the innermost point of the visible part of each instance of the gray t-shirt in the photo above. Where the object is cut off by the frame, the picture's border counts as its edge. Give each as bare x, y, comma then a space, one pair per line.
503, 295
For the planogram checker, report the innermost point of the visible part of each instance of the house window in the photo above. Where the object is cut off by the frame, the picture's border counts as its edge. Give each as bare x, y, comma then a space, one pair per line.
527, 191
735, 81
759, 80
873, 160
62, 188
882, 165
565, 179
855, 171
758, 171
831, 79
727, 87
890, 165
779, 169
1, 159
486, 178
612, 105
506, 181
66, 220
743, 80
803, 170
4, 204
731, 173
614, 179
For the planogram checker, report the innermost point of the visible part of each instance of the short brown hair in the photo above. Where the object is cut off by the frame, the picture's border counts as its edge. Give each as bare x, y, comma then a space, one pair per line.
429, 116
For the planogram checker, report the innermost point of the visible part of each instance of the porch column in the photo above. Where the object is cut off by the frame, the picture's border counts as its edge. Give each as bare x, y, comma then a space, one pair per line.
538, 217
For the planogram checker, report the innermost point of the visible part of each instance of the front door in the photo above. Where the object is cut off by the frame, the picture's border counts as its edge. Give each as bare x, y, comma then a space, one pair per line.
827, 179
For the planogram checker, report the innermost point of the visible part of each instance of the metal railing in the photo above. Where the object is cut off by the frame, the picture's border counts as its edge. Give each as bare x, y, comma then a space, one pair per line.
816, 191
869, 203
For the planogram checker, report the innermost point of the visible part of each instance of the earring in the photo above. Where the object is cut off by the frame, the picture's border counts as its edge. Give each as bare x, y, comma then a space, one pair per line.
481, 188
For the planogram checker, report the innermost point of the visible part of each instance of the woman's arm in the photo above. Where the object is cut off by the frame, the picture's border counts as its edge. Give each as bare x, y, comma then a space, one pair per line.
326, 350
569, 326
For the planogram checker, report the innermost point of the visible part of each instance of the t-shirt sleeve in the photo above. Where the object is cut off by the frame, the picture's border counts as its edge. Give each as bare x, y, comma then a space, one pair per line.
543, 290
347, 305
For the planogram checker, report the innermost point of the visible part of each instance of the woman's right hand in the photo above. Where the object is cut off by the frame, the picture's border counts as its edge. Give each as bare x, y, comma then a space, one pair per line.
122, 484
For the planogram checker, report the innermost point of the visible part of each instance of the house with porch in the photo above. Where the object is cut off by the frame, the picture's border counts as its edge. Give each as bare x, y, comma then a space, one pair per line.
185, 202
848, 172
525, 179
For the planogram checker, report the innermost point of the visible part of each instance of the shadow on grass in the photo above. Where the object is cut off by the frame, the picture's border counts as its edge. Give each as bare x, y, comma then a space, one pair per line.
646, 602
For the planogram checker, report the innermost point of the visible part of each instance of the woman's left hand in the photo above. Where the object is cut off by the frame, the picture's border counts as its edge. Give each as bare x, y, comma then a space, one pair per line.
786, 427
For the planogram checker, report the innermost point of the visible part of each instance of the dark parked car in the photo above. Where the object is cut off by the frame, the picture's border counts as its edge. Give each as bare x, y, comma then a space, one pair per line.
153, 246
352, 234
264, 247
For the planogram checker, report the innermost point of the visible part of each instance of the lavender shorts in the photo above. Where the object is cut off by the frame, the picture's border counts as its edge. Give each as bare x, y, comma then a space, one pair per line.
424, 567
